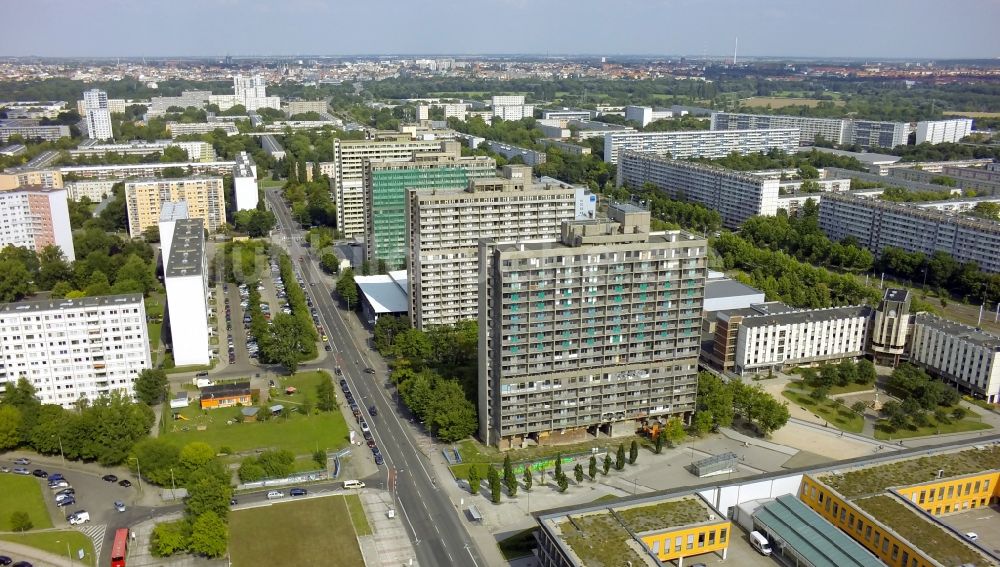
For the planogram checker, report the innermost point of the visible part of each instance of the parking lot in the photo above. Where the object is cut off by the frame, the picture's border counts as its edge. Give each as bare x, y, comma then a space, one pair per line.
984, 522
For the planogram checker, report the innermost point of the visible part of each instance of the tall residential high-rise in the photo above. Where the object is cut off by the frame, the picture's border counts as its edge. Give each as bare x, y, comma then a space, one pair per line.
387, 183
98, 115
250, 92
595, 333
145, 197
35, 217
245, 182
511, 107
185, 276
72, 349
444, 228
348, 179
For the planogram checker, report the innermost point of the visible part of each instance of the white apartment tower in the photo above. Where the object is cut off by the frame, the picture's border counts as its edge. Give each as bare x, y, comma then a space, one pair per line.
444, 227
962, 355
35, 217
185, 275
70, 349
245, 182
98, 115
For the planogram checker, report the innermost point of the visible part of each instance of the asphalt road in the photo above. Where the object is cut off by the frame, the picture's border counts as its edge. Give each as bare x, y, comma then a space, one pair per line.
434, 523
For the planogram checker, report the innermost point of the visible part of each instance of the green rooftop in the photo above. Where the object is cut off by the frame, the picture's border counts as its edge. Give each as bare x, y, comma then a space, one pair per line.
599, 540
664, 515
928, 537
874, 480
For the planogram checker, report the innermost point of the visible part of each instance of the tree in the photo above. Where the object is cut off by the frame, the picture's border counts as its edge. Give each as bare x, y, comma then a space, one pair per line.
157, 457
563, 483
494, 481
866, 372
511, 483
20, 521
848, 373
284, 341
858, 407
10, 425
674, 431
715, 397
207, 494
15, 281
326, 396
558, 470
620, 458
658, 441
53, 267
578, 473
330, 264
170, 537
607, 462
250, 470
474, 479
413, 345
193, 457
592, 468
508, 468
633, 452
151, 386
528, 478
959, 413
346, 288
209, 535
702, 422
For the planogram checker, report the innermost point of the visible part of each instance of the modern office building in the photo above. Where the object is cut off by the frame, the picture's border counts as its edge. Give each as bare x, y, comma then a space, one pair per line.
245, 182
36, 217
348, 179
145, 198
832, 130
596, 333
444, 229
185, 276
387, 183
940, 131
701, 143
878, 224
98, 115
72, 349
643, 115
511, 107
737, 195
963, 356
774, 336
31, 130
170, 213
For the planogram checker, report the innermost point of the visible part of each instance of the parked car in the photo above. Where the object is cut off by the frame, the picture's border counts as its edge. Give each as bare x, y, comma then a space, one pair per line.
272, 494
378, 459
69, 501
22, 564
298, 492
58, 484
364, 426
68, 491
4, 560
56, 477
78, 517
4, 469
21, 470
40, 473
109, 478
125, 482
61, 497
22, 461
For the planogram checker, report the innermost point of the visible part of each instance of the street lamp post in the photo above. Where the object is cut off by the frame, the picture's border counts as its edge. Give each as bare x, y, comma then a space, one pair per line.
69, 552
138, 471
61, 454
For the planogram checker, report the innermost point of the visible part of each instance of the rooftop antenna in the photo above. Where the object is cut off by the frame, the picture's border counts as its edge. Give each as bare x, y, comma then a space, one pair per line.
735, 49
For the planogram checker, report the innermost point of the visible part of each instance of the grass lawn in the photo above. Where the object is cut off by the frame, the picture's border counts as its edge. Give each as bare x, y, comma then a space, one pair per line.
474, 452
300, 434
838, 416
518, 545
971, 422
781, 102
305, 533
55, 542
191, 368
23, 493
358, 517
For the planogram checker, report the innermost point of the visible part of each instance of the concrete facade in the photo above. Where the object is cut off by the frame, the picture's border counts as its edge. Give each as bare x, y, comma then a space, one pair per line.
145, 198
185, 277
36, 217
701, 143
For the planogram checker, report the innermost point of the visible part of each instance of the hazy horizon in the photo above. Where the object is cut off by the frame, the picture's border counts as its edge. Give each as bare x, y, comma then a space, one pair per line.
850, 29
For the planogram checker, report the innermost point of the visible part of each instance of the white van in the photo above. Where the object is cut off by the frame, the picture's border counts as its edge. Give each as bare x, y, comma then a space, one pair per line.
353, 484
78, 517
759, 542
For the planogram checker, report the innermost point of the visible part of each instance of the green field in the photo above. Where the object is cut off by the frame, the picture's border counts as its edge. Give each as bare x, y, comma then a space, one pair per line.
304, 533
971, 422
781, 102
22, 493
837, 415
358, 517
55, 542
298, 433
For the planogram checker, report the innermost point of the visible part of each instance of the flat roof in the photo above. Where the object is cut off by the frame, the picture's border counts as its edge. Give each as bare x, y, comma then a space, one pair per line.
173, 211
386, 293
895, 294
187, 249
964, 332
226, 390
821, 543
864, 157
628, 207
724, 287
56, 304
806, 315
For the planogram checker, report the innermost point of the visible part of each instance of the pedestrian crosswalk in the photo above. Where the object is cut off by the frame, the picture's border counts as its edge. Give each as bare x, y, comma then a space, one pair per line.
96, 533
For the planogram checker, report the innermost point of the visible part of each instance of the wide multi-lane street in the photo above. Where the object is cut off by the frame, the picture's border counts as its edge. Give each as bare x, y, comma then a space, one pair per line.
433, 521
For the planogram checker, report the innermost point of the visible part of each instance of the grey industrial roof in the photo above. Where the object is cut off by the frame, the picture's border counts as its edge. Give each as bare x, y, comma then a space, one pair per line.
628, 208
186, 249
964, 332
818, 541
863, 157
894, 294
718, 288
54, 304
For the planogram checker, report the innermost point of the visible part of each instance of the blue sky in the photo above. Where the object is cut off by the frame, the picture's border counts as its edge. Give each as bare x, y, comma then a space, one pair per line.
805, 28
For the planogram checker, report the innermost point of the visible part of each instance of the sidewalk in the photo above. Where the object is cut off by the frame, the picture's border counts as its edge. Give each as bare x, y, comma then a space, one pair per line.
388, 545
35, 556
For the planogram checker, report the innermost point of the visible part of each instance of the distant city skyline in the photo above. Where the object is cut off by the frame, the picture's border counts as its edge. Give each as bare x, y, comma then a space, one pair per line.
890, 29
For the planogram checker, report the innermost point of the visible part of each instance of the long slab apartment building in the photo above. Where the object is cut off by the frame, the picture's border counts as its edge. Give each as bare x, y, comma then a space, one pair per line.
591, 333
444, 228
701, 143
846, 131
72, 349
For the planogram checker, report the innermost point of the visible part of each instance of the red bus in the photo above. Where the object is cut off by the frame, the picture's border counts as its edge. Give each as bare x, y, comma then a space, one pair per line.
120, 548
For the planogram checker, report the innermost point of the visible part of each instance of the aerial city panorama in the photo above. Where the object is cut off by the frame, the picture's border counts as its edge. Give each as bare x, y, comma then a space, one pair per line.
526, 283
